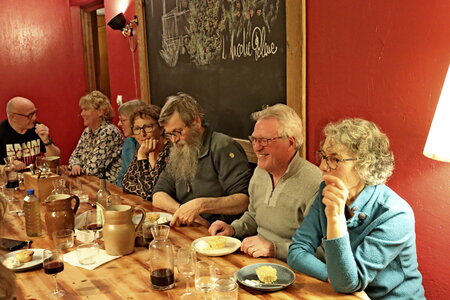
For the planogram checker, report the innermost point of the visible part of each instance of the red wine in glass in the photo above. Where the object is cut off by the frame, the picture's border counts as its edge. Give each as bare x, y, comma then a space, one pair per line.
94, 227
54, 267
162, 278
12, 184
53, 264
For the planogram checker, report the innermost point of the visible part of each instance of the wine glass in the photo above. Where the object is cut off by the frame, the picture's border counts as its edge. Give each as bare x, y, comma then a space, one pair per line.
204, 276
94, 222
186, 259
53, 264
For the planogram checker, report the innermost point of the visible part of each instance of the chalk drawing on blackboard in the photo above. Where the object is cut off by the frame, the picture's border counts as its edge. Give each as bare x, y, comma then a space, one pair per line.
211, 31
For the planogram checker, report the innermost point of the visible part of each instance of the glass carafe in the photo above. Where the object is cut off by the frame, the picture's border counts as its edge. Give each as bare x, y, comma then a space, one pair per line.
12, 177
59, 187
11, 173
161, 259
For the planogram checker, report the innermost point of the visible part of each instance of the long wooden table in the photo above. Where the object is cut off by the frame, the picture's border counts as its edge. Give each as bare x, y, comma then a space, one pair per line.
128, 277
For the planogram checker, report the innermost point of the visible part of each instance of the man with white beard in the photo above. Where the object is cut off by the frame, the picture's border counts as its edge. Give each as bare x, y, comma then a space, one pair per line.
207, 173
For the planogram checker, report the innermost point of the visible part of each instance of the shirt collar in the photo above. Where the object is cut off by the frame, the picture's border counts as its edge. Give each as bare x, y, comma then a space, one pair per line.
207, 136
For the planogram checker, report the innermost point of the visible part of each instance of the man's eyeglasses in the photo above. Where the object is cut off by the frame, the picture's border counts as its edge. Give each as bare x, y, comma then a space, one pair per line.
331, 161
174, 134
147, 129
29, 116
263, 141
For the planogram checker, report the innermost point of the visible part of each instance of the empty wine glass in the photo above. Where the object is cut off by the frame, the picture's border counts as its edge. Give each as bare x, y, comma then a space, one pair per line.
204, 276
53, 264
94, 222
186, 260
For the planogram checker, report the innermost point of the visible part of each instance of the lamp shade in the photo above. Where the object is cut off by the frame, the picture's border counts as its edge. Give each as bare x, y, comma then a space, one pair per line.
118, 22
438, 142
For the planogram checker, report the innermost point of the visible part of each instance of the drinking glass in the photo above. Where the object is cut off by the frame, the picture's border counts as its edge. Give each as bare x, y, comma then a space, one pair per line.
53, 264
204, 276
225, 286
94, 222
185, 261
63, 239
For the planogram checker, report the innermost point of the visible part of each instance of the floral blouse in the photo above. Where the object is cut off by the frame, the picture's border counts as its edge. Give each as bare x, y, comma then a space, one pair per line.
140, 178
99, 149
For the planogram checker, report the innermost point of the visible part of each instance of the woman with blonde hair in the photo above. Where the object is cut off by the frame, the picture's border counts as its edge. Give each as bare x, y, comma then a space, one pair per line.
100, 143
365, 228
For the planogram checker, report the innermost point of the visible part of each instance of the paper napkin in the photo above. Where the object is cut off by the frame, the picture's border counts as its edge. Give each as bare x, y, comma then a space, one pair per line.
103, 257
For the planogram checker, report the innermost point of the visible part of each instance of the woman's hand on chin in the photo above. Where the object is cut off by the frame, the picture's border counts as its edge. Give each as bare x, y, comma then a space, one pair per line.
335, 195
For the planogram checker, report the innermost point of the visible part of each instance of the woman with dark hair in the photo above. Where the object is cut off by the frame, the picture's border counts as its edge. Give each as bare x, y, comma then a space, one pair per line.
100, 143
150, 156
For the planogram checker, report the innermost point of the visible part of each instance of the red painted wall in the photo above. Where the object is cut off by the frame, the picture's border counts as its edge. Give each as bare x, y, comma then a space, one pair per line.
380, 60
385, 61
119, 53
41, 59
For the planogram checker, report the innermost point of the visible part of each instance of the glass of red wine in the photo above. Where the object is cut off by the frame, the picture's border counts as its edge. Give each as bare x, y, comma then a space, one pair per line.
94, 222
53, 264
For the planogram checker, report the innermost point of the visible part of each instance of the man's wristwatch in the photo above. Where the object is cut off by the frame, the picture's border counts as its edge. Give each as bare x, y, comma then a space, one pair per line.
50, 141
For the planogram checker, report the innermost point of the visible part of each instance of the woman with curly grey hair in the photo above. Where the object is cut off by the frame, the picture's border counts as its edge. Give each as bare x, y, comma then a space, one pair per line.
100, 143
365, 228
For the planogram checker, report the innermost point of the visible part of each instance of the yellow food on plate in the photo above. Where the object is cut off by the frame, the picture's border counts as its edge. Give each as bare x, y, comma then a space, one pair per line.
152, 217
217, 242
24, 256
266, 274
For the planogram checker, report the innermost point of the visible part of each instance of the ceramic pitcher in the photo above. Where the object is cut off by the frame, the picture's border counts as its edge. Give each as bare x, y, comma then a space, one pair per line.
119, 231
59, 213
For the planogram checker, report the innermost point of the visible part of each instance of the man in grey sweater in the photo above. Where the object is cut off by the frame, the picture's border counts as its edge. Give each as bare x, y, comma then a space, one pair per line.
281, 190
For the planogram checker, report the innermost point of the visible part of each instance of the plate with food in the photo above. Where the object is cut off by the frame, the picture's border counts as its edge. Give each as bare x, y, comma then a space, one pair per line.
216, 245
266, 277
23, 260
160, 218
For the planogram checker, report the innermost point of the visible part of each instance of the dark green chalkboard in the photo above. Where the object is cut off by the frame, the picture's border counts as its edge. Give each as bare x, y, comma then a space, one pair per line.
229, 54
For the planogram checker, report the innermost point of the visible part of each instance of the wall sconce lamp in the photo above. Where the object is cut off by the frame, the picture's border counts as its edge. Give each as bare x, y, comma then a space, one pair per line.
120, 23
438, 143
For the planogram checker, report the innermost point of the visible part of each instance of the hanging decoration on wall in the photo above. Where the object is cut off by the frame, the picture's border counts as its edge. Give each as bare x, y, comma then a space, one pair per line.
119, 22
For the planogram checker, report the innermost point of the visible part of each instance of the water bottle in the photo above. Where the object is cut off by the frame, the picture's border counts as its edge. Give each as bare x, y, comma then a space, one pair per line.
103, 196
32, 210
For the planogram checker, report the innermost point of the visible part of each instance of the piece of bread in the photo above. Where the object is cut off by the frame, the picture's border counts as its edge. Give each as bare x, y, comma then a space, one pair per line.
24, 256
152, 217
217, 242
266, 274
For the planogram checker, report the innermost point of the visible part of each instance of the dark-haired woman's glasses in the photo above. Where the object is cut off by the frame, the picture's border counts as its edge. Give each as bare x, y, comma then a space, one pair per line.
146, 128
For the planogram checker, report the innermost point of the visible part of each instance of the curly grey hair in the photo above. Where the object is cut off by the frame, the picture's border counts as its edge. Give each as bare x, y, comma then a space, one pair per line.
290, 122
186, 106
365, 141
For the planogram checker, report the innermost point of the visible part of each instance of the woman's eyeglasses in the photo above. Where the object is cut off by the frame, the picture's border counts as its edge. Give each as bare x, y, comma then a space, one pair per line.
331, 161
146, 128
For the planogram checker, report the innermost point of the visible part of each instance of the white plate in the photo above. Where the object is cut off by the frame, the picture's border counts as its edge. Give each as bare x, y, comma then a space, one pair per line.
232, 244
168, 216
285, 277
38, 256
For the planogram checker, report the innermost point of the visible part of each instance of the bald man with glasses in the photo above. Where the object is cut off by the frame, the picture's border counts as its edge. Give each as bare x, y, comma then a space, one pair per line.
21, 136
